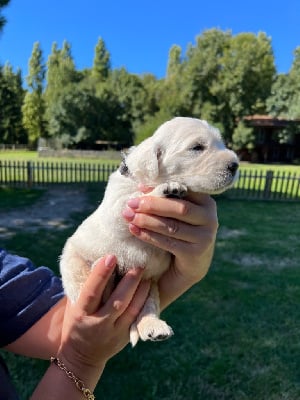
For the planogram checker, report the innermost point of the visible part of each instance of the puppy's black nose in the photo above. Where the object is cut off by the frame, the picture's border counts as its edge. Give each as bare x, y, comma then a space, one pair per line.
233, 166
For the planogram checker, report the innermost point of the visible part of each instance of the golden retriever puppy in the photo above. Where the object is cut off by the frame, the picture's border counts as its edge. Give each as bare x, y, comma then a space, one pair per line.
184, 154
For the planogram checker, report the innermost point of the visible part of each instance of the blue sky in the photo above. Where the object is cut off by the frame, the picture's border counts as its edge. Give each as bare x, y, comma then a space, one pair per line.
139, 34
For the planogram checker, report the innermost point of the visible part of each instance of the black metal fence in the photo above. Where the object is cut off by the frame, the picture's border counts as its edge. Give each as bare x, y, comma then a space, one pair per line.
32, 174
267, 185
256, 185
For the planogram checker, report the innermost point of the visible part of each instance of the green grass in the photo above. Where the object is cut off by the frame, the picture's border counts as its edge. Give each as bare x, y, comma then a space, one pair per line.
11, 198
19, 155
22, 155
236, 333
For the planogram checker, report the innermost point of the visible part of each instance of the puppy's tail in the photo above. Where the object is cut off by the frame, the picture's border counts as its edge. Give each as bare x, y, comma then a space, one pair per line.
134, 334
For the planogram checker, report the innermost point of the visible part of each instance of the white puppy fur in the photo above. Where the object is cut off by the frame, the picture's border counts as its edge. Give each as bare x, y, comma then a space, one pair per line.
184, 154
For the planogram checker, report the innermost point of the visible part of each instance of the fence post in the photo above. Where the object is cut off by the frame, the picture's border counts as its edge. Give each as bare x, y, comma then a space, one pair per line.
29, 174
268, 185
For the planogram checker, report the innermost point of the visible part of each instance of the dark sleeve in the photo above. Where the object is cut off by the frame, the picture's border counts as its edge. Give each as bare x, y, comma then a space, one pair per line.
26, 294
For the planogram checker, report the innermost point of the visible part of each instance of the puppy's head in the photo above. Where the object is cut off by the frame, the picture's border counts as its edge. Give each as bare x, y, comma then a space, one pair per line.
188, 151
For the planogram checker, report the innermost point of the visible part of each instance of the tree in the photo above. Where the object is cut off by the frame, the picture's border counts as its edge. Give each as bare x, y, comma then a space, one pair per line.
294, 86
101, 66
248, 73
61, 71
11, 99
131, 94
54, 86
278, 103
245, 78
202, 68
174, 61
79, 118
33, 109
284, 100
37, 70
243, 137
171, 91
3, 3
61, 75
67, 70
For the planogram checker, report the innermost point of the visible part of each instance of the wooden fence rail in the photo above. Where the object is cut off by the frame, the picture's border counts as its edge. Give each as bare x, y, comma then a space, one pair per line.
263, 185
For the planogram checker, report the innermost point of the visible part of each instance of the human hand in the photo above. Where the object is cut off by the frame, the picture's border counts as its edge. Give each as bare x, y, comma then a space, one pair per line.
93, 333
186, 228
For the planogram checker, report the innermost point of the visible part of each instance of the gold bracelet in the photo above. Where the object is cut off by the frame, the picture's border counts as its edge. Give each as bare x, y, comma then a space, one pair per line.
78, 382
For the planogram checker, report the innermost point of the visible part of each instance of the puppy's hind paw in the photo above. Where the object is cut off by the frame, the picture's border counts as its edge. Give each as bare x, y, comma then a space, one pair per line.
133, 335
154, 329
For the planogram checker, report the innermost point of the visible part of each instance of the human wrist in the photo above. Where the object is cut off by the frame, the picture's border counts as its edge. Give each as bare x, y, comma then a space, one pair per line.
87, 372
76, 381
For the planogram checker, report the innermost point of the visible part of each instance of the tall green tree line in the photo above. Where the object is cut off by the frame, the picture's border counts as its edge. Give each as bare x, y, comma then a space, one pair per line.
220, 78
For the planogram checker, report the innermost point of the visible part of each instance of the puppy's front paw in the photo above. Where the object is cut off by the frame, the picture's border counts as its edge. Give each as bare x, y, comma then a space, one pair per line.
174, 190
154, 329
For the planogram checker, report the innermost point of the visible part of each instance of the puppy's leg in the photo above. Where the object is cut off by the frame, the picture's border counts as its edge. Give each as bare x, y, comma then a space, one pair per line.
148, 326
170, 189
74, 270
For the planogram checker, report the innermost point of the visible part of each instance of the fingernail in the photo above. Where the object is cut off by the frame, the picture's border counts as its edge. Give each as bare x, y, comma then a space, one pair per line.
128, 214
110, 261
133, 203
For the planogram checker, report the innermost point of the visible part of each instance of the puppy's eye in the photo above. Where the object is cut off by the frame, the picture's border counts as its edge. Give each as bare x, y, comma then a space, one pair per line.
198, 147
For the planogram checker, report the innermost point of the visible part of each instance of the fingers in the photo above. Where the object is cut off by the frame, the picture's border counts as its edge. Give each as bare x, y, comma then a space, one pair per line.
170, 244
123, 294
136, 304
169, 227
91, 292
174, 218
178, 226
199, 211
125, 301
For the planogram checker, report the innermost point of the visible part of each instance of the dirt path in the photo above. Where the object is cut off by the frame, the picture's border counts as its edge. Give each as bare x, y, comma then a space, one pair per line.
53, 211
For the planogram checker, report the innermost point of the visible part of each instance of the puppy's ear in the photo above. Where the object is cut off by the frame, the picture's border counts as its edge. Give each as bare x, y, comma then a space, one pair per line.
143, 161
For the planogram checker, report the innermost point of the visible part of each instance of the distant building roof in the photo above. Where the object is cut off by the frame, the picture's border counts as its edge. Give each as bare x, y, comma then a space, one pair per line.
268, 120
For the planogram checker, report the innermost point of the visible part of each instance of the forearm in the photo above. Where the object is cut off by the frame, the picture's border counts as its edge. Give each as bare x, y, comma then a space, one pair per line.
42, 340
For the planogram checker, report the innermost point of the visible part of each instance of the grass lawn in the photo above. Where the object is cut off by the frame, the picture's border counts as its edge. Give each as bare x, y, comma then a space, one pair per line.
11, 198
22, 155
236, 333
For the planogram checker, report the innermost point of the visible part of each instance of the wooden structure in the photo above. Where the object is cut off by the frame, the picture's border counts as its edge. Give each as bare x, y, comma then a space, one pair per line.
268, 147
